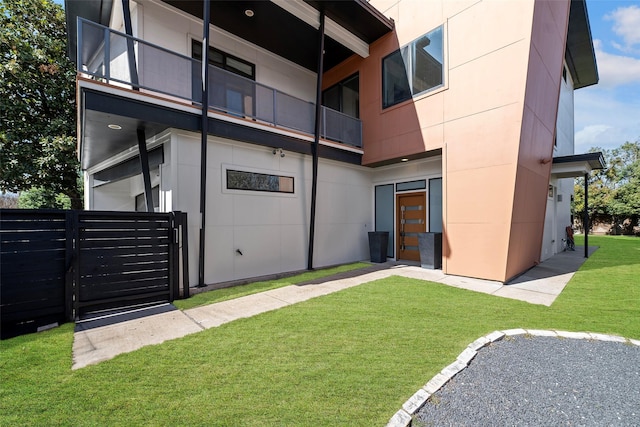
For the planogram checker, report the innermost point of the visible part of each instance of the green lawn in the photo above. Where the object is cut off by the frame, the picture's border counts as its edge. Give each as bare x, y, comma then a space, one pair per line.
346, 359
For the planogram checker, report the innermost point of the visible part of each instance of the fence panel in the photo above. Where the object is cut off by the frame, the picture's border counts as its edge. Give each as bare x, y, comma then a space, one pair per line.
59, 265
33, 252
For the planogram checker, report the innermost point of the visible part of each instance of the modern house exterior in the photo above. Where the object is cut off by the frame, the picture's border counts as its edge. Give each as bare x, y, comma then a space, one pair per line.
327, 120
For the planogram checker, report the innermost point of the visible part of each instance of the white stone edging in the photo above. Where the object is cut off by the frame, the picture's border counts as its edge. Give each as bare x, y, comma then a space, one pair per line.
404, 416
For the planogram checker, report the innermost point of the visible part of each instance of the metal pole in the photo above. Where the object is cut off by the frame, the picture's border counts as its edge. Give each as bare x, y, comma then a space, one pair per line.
144, 166
206, 17
316, 140
585, 219
131, 54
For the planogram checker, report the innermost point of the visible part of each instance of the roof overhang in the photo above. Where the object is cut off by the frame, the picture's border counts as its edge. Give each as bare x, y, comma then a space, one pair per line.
289, 28
98, 11
577, 165
580, 55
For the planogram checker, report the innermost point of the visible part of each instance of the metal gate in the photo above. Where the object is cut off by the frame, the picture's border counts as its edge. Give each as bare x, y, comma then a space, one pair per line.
60, 265
123, 259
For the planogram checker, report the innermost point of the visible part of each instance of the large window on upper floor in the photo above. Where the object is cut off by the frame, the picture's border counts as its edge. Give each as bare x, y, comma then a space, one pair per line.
413, 69
344, 96
232, 90
224, 60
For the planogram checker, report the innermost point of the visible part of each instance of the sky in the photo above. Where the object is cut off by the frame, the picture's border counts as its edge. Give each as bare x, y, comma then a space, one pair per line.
608, 114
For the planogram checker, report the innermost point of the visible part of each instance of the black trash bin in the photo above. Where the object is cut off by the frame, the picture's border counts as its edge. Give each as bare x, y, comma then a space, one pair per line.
430, 246
378, 241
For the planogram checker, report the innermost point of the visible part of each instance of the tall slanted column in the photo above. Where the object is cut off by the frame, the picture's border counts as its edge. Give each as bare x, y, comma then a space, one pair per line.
316, 139
206, 17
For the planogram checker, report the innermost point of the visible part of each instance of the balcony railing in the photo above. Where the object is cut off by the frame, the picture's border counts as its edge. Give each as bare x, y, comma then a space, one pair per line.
115, 58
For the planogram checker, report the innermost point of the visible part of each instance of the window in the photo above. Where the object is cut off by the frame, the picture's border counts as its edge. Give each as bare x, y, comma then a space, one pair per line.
241, 180
141, 205
413, 69
225, 61
435, 205
344, 96
420, 184
232, 92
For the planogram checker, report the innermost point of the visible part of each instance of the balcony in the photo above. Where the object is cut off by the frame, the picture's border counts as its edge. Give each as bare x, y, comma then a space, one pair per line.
117, 59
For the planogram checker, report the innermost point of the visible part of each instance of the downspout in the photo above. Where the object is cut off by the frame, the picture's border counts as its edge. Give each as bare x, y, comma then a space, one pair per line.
131, 54
585, 219
316, 140
206, 18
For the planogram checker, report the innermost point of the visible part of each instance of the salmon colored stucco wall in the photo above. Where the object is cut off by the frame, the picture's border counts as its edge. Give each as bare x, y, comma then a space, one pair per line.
493, 120
549, 33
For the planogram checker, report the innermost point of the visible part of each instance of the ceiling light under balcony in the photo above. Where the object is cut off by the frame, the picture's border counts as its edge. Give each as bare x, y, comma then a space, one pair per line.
404, 160
249, 13
114, 127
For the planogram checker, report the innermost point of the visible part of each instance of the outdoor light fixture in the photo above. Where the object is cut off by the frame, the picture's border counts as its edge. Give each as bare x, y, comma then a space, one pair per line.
114, 127
278, 150
404, 160
249, 13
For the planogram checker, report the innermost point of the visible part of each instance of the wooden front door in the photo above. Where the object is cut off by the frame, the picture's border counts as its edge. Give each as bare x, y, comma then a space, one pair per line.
411, 220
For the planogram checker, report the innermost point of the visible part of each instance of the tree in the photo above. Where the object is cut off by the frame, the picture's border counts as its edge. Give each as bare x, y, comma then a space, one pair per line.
37, 100
614, 192
38, 197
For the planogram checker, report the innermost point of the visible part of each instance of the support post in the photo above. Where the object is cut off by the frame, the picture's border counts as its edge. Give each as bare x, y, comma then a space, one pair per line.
316, 139
585, 219
144, 166
131, 54
206, 18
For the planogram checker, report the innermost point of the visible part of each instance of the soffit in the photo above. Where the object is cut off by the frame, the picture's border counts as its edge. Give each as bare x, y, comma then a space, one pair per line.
576, 165
580, 55
278, 31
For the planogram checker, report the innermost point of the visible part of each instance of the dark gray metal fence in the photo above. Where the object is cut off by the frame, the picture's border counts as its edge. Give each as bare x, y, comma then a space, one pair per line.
59, 265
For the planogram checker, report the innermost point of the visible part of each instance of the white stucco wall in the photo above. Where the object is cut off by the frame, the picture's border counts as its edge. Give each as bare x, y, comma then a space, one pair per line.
558, 213
270, 229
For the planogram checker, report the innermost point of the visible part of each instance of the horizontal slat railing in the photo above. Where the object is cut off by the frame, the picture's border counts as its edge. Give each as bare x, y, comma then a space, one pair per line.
103, 54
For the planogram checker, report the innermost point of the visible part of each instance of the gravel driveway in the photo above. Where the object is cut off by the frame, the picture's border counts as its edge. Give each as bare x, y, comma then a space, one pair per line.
541, 381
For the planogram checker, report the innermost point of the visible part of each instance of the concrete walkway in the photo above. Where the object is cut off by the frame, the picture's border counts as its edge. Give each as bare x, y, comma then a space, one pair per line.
99, 339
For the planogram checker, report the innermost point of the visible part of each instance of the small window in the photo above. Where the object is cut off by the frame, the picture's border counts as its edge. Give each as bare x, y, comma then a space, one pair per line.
420, 184
241, 180
413, 69
155, 195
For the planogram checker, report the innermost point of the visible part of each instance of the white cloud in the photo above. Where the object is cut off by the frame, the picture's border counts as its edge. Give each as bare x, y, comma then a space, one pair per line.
604, 121
616, 70
626, 24
591, 136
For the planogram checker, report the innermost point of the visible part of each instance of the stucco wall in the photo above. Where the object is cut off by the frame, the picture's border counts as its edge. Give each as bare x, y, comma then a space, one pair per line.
548, 39
493, 118
270, 229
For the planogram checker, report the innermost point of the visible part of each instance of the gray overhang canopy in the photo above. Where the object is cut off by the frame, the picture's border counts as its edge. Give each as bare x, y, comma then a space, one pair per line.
576, 165
580, 55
